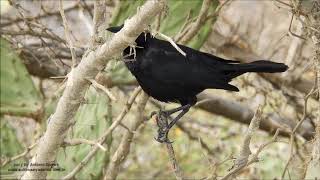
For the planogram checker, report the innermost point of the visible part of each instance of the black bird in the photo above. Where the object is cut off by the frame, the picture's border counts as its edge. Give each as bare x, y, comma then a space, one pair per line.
168, 76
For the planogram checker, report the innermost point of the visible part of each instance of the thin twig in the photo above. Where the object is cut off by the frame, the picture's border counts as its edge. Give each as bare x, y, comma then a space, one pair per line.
195, 138
44, 15
163, 122
30, 32
104, 89
292, 135
182, 31
290, 31
67, 34
312, 22
253, 158
284, 3
174, 163
77, 141
245, 151
23, 154
198, 23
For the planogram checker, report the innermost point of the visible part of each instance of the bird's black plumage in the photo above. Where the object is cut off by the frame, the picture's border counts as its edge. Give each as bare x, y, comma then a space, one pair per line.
168, 76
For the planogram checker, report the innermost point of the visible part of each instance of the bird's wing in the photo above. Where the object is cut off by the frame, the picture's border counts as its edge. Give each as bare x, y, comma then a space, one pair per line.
165, 64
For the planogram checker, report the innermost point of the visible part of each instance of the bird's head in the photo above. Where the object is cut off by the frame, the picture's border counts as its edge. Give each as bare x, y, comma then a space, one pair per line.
115, 29
141, 39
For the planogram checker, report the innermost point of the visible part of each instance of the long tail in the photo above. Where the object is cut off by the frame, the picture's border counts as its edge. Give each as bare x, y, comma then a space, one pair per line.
257, 66
262, 66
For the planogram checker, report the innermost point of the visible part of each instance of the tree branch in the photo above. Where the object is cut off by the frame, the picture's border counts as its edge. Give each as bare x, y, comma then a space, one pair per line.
245, 151
68, 34
253, 158
195, 26
124, 148
174, 163
241, 113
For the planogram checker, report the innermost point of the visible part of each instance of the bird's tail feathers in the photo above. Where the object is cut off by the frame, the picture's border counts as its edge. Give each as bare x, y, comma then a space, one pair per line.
262, 66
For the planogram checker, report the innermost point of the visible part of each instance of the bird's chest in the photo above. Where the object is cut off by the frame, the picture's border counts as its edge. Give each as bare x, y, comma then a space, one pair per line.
138, 62
156, 74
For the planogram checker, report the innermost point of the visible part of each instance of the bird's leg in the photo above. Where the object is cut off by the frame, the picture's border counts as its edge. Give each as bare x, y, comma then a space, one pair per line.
164, 126
175, 120
169, 112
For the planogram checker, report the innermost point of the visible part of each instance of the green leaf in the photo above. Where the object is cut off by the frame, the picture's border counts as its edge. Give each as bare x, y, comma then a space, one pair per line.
118, 73
176, 17
18, 94
9, 140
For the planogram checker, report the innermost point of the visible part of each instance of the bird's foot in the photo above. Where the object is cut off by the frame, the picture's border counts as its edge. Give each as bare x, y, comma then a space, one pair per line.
162, 122
167, 141
163, 136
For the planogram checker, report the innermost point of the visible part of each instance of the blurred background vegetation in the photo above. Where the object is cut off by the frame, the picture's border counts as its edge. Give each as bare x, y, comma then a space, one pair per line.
35, 59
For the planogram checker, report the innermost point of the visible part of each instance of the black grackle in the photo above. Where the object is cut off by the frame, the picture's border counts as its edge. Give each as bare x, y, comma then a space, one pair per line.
168, 76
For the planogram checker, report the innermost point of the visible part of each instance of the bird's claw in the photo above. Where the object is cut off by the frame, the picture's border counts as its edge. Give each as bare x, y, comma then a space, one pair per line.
163, 141
163, 130
164, 114
162, 135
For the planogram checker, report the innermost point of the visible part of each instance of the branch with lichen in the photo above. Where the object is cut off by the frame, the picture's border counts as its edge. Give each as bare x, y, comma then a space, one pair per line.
245, 151
308, 14
77, 84
246, 157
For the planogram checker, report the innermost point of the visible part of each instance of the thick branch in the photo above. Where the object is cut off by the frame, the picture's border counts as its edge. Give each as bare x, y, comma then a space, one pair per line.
74, 93
241, 113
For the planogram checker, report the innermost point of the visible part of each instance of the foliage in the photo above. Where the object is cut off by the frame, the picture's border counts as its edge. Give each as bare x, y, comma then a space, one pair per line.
18, 94
8, 139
